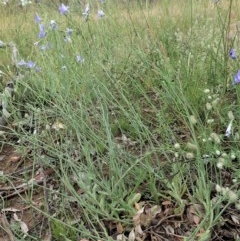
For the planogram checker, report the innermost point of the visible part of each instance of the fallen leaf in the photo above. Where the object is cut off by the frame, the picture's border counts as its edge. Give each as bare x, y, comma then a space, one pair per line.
47, 237
169, 229
131, 236
235, 219
121, 237
120, 228
15, 158
165, 203
195, 213
146, 216
196, 219
2, 157
138, 230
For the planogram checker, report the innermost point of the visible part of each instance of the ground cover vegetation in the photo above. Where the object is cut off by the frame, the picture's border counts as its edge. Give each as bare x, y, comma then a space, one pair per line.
119, 120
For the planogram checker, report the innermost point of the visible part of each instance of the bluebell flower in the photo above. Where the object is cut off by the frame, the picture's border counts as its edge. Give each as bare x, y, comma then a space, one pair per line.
42, 32
64, 68
53, 24
101, 1
80, 59
69, 32
63, 9
236, 78
68, 35
100, 14
68, 39
21, 62
30, 64
232, 54
37, 19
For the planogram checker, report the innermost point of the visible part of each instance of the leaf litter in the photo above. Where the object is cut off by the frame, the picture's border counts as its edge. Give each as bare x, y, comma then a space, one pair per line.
150, 222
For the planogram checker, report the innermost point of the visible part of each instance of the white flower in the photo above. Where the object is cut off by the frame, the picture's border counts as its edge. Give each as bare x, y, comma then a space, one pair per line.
192, 119
210, 121
206, 91
232, 196
230, 115
208, 106
191, 146
220, 163
177, 146
218, 188
233, 156
215, 137
189, 155
100, 14
25, 2
87, 10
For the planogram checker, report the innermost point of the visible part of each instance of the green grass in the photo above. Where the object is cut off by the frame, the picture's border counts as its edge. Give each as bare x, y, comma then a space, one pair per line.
108, 126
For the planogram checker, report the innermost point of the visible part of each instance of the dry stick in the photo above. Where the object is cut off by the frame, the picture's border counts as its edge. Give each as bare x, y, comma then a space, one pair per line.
6, 227
23, 187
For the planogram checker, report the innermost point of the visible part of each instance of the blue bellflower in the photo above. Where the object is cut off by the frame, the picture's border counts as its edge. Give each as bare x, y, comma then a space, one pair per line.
37, 19
42, 32
236, 78
53, 24
80, 59
232, 54
63, 9
68, 32
30, 64
21, 62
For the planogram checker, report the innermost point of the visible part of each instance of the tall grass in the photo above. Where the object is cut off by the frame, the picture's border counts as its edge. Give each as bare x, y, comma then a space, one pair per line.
107, 126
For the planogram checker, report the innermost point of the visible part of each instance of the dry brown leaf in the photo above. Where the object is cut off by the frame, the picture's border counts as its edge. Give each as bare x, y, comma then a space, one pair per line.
165, 203
14, 158
195, 213
47, 237
136, 218
139, 205
196, 219
235, 219
146, 216
169, 229
120, 228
